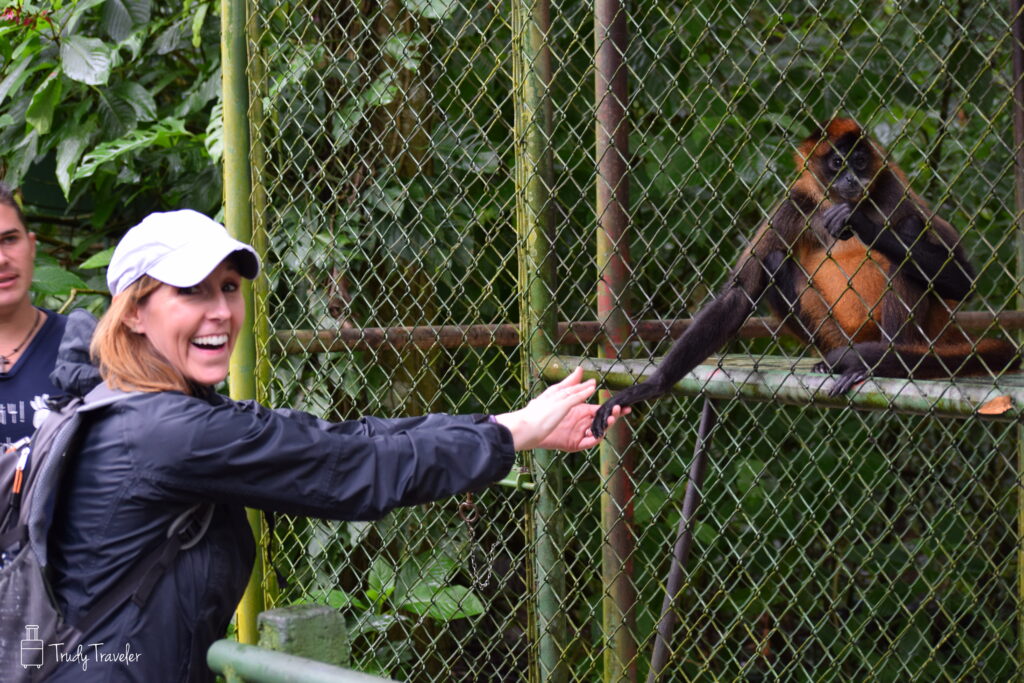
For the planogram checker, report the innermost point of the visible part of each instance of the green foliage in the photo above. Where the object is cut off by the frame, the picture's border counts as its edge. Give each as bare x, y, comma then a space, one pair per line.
421, 586
108, 114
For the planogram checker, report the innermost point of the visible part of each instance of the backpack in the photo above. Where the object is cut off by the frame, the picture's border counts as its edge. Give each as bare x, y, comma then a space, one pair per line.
32, 629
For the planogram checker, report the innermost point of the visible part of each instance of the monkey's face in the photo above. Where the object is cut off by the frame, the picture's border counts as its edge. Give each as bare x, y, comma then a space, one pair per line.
848, 170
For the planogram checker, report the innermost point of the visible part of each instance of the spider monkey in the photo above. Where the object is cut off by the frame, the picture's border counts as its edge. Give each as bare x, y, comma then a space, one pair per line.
853, 262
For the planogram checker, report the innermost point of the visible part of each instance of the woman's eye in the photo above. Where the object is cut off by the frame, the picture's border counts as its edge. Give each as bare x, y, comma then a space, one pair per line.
230, 287
187, 291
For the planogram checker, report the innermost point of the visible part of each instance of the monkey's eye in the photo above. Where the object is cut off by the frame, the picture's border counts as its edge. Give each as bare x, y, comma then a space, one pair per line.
858, 162
835, 162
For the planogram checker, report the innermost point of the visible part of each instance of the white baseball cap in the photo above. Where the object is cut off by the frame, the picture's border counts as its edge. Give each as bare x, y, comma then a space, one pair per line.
179, 248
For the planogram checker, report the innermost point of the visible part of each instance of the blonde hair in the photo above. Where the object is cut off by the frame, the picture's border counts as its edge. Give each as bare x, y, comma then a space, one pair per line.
127, 359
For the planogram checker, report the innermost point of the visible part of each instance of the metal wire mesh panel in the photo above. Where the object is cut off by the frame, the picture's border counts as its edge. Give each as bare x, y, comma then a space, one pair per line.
385, 191
831, 544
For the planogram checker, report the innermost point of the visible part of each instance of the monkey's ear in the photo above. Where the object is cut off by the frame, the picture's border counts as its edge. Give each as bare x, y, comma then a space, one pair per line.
819, 132
811, 144
818, 129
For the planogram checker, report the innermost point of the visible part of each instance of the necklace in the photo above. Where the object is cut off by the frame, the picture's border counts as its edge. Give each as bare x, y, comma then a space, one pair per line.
4, 359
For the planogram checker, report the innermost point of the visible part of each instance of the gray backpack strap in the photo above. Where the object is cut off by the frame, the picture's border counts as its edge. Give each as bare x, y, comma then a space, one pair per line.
102, 396
49, 450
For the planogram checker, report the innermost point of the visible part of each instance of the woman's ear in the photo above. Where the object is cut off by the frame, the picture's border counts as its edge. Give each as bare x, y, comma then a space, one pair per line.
133, 320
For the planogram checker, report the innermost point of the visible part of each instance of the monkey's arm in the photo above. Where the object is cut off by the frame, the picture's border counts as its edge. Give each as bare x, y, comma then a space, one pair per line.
711, 328
932, 257
764, 260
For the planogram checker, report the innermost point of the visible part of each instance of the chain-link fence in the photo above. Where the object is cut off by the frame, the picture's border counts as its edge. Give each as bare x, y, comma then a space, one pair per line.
413, 158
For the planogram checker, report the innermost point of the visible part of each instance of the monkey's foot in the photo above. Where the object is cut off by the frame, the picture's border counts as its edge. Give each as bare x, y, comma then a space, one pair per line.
846, 381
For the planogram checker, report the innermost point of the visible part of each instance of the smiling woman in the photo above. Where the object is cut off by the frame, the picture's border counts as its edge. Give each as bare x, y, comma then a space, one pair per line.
176, 443
177, 307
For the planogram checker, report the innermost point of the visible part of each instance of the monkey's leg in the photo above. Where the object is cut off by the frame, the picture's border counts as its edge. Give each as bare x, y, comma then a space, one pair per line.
919, 361
852, 364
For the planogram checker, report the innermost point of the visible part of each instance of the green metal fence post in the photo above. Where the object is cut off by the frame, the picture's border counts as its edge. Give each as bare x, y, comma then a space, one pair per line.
612, 154
257, 75
238, 220
534, 175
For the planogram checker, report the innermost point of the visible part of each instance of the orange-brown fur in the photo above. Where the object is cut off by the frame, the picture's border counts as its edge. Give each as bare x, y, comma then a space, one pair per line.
847, 283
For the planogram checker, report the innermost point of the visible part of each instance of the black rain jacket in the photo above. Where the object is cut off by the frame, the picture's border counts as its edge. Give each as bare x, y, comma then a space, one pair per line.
151, 456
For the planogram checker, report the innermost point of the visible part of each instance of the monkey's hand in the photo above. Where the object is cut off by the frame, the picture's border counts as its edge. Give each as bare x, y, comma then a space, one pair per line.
848, 364
837, 221
600, 422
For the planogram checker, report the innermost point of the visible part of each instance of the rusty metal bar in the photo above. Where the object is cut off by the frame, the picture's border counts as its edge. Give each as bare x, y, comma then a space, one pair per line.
579, 332
1017, 48
611, 95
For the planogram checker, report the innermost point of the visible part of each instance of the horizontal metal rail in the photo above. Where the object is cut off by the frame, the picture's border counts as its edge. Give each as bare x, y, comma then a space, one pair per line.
238, 662
293, 342
790, 381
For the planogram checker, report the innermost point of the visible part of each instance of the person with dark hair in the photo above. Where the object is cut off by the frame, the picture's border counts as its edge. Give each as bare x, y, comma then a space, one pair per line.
175, 444
29, 335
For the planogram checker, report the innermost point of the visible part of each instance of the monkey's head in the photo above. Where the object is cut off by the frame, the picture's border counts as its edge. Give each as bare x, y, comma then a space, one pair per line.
842, 159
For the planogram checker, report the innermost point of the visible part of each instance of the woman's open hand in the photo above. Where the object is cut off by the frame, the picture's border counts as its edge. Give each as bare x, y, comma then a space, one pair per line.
559, 418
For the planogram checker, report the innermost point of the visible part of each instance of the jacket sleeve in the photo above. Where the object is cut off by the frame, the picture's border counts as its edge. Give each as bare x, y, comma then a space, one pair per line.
368, 426
292, 462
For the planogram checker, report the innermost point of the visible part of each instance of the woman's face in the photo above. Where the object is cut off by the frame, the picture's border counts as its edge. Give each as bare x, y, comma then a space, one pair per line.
195, 328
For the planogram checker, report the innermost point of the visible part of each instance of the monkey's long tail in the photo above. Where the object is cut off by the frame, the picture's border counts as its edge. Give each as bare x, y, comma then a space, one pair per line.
971, 357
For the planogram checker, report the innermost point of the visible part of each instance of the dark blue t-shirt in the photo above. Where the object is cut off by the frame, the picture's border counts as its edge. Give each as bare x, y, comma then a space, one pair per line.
24, 389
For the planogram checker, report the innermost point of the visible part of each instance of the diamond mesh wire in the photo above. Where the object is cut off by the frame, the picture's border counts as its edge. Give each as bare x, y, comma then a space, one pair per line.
831, 544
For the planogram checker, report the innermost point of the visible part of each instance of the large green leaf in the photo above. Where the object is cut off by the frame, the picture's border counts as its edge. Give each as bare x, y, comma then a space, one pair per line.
86, 60
15, 76
431, 569
117, 115
406, 49
197, 25
70, 14
443, 604
99, 259
140, 99
160, 135
44, 102
381, 580
121, 17
214, 141
23, 156
55, 281
70, 150
171, 39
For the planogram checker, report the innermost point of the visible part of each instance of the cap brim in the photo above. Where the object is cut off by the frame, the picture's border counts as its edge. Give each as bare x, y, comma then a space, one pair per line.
185, 268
